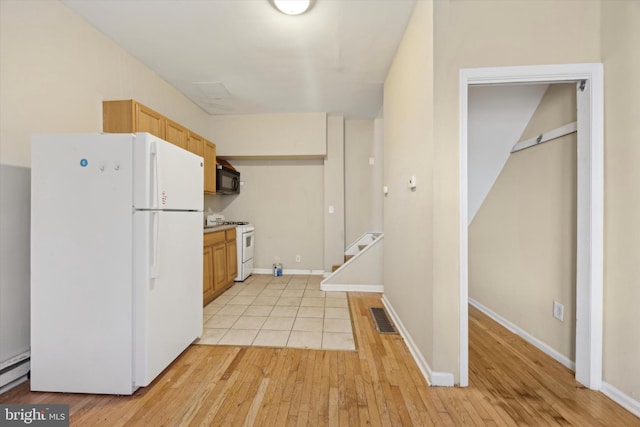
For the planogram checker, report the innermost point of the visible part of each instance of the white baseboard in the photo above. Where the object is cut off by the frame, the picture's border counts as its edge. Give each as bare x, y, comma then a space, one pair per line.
622, 399
525, 335
438, 379
289, 272
352, 288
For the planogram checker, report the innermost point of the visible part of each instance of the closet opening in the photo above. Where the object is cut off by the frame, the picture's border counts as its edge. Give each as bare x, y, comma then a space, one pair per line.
588, 80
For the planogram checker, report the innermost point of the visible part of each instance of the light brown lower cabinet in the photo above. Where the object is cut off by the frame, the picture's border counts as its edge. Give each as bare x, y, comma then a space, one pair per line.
208, 290
232, 258
220, 263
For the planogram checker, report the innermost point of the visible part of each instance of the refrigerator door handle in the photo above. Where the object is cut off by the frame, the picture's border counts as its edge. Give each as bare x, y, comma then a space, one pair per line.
155, 188
155, 229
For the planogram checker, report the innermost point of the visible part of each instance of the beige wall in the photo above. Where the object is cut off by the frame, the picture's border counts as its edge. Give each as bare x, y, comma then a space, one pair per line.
423, 138
620, 47
287, 174
377, 178
522, 242
334, 194
283, 199
558, 107
482, 34
283, 159
408, 149
55, 71
358, 191
281, 196
302, 135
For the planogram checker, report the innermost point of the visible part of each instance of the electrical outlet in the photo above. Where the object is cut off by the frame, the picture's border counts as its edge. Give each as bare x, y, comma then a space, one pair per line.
298, 258
558, 311
412, 182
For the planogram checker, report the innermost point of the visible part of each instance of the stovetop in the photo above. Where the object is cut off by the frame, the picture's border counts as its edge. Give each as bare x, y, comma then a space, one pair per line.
225, 222
215, 220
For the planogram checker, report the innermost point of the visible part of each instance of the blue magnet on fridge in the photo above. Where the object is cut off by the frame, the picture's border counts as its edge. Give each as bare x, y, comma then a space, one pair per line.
84, 163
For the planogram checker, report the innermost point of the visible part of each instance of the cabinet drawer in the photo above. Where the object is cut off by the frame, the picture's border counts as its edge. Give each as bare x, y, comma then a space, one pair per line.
213, 238
231, 234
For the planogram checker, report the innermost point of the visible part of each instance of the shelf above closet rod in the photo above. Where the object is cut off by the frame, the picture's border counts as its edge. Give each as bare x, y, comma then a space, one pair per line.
547, 136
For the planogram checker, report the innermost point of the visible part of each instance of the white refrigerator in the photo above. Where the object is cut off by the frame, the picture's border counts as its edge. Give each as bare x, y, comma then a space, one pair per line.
116, 260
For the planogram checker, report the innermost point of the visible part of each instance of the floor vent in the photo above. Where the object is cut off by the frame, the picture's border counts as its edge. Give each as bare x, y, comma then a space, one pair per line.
383, 324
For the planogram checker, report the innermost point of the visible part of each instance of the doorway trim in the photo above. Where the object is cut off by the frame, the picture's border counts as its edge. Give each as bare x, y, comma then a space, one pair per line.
590, 206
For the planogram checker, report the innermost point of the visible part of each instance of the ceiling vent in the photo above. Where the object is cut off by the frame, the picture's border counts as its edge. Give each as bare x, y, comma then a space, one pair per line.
213, 90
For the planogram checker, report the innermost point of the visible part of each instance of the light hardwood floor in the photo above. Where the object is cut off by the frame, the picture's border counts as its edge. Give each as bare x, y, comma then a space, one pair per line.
512, 383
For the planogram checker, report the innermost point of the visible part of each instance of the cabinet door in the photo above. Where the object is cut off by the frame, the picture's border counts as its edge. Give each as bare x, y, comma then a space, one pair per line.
232, 260
207, 275
219, 266
118, 116
195, 144
209, 167
175, 134
148, 120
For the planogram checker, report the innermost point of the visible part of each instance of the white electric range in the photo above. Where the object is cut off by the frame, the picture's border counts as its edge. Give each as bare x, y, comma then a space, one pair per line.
244, 243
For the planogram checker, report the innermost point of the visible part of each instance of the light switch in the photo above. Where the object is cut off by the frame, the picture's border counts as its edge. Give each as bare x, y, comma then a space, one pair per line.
331, 210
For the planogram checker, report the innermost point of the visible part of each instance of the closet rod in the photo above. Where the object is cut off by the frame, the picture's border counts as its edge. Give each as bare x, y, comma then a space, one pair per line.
547, 136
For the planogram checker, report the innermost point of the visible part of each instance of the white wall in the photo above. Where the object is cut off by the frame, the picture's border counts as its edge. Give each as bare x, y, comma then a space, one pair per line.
497, 117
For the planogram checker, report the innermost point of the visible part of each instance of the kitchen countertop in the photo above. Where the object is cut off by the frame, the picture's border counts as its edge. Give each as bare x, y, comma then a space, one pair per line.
219, 228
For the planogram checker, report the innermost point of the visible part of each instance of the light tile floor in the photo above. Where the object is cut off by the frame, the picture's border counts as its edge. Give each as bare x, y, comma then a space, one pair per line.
285, 311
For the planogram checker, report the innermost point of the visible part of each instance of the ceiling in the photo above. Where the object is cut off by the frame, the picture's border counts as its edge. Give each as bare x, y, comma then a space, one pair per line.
245, 57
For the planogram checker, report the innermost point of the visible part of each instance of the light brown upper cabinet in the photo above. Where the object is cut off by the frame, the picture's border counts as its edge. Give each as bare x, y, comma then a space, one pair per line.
209, 167
129, 116
195, 144
176, 134
206, 149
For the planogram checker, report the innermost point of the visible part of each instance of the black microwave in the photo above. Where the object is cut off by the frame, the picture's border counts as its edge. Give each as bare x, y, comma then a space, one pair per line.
227, 180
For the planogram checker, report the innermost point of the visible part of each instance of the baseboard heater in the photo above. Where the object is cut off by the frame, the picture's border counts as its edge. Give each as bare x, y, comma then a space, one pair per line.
380, 318
14, 371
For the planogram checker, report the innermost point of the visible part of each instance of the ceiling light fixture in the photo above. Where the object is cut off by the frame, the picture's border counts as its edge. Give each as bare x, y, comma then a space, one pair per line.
292, 7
